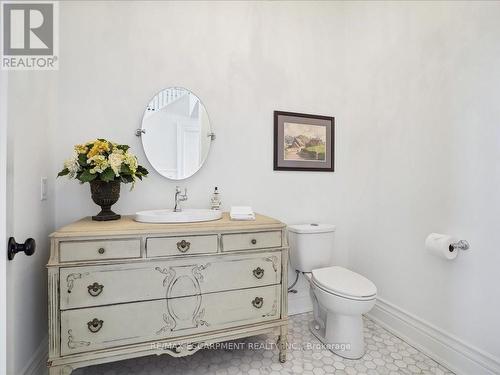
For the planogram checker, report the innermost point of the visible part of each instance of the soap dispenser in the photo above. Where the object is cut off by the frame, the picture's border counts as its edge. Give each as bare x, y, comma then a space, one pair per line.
215, 201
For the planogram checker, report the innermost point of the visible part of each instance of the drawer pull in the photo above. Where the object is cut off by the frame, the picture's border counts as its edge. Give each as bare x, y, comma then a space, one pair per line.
183, 246
95, 325
258, 302
254, 241
101, 250
95, 289
258, 273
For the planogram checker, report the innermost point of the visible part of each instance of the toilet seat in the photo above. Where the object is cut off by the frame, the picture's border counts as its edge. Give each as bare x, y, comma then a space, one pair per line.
344, 283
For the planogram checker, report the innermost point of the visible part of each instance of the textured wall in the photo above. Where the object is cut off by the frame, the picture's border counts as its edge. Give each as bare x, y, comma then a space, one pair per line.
423, 85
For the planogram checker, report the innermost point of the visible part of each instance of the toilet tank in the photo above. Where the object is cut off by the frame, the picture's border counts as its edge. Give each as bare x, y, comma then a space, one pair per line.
311, 246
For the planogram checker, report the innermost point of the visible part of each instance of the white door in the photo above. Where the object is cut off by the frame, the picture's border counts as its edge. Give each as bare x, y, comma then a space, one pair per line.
188, 148
25, 131
3, 224
191, 150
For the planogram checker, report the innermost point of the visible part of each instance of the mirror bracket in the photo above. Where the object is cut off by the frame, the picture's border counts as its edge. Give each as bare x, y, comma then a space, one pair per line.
140, 132
211, 135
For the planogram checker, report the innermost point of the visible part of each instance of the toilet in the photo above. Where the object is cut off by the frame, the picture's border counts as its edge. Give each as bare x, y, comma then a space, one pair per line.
339, 296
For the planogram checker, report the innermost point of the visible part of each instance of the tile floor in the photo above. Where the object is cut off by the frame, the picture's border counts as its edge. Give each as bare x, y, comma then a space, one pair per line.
386, 354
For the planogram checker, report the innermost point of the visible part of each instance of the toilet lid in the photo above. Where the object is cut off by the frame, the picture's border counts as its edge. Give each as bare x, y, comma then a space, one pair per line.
342, 281
311, 228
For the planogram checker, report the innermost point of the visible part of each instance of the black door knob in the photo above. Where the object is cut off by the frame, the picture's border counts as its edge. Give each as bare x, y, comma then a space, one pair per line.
13, 247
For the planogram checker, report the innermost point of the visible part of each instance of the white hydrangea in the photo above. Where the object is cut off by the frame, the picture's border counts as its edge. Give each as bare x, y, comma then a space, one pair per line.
115, 162
72, 165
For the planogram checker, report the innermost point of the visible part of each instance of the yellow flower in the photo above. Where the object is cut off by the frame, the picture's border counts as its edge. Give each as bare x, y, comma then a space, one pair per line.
131, 161
98, 148
99, 162
81, 149
117, 150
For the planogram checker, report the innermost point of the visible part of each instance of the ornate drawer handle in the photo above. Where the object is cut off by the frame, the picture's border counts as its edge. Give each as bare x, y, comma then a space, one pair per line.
95, 325
258, 302
258, 273
101, 250
254, 241
183, 246
95, 289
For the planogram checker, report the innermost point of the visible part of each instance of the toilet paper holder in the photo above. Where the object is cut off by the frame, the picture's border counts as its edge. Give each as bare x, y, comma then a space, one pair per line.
460, 245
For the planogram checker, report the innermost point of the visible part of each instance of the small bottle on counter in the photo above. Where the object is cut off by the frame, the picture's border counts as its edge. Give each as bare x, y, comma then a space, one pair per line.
215, 202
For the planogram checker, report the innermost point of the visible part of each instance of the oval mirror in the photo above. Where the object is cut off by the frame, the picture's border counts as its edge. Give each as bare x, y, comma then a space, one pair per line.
176, 133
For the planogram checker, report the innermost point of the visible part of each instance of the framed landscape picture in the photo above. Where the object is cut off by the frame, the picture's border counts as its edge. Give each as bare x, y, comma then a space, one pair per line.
303, 142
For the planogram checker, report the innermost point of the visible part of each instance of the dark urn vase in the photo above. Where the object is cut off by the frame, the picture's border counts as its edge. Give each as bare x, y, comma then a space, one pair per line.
105, 194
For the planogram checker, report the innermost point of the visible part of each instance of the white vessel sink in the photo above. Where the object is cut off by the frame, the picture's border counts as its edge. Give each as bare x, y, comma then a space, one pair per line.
187, 215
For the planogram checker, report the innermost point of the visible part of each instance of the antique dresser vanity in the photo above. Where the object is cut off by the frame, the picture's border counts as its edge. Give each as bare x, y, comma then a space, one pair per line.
123, 289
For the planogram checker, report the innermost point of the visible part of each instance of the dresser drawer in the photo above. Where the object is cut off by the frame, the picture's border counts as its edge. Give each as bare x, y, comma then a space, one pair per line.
245, 241
187, 245
103, 327
121, 283
99, 250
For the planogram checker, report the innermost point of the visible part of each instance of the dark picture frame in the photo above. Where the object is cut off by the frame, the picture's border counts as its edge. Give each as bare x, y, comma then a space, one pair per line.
303, 142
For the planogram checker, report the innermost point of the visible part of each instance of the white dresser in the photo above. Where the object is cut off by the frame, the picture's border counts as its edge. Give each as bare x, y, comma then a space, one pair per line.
124, 289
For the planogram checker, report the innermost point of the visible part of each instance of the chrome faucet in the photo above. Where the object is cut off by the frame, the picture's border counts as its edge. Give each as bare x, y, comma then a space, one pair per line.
179, 198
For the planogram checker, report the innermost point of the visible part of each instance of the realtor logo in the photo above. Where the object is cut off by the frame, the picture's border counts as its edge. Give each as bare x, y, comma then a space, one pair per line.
30, 35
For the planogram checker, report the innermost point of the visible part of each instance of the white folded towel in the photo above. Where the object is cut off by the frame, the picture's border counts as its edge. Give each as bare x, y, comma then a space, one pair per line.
242, 213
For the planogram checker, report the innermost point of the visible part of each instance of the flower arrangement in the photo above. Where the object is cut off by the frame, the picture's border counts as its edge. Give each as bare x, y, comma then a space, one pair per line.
103, 160
104, 164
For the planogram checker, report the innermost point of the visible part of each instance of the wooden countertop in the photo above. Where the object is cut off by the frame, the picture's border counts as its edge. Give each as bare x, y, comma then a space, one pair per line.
128, 226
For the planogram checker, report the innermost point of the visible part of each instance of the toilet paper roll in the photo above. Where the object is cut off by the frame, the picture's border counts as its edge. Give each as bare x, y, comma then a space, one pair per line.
439, 245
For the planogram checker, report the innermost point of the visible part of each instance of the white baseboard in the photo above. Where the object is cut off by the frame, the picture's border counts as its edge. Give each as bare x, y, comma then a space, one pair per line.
452, 352
38, 363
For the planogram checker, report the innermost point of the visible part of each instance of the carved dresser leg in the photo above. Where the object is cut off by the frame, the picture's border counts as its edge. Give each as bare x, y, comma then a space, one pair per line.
283, 343
60, 370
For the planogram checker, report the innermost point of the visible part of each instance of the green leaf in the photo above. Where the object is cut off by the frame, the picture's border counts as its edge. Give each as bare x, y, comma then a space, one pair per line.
125, 169
108, 175
82, 159
126, 179
86, 176
143, 171
123, 147
64, 172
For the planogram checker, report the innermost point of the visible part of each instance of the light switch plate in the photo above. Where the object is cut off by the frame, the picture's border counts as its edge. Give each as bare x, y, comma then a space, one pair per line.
43, 189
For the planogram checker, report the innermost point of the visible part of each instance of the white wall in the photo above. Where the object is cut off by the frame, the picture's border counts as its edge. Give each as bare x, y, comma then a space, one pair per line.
424, 84
29, 119
414, 89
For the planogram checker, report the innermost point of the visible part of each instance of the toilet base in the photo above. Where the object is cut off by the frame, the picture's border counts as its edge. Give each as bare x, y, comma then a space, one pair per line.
332, 335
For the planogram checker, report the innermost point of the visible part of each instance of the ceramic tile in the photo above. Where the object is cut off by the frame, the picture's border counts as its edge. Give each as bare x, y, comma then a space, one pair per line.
386, 354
